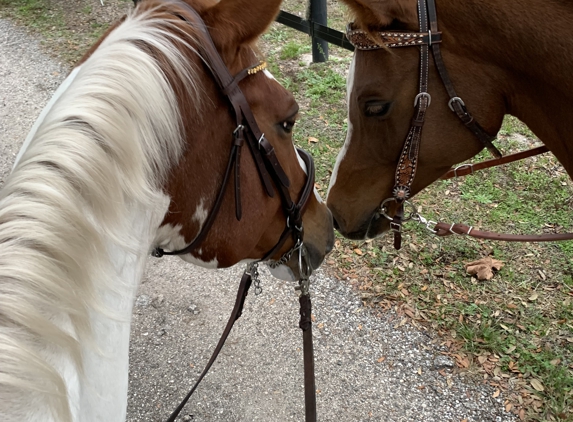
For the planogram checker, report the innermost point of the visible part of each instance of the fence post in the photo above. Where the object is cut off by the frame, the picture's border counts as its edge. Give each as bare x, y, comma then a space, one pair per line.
317, 13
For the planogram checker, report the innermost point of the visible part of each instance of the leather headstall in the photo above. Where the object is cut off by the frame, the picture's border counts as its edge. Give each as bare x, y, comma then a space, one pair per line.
428, 37
246, 132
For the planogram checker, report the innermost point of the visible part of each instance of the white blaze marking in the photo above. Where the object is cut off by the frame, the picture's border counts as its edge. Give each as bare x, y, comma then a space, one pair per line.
59, 92
344, 150
303, 166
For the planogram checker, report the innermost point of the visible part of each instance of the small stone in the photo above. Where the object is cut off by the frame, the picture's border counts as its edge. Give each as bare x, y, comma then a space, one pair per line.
142, 301
193, 309
158, 301
442, 362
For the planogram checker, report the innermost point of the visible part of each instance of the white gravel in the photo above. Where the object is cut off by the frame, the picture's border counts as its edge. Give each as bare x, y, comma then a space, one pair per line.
181, 310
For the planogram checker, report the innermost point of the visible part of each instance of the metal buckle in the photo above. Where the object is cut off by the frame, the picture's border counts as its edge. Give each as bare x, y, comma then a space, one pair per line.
396, 227
455, 100
238, 128
471, 166
420, 95
261, 140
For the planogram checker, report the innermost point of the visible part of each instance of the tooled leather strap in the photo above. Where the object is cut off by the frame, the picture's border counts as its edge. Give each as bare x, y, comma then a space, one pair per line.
444, 229
408, 161
466, 169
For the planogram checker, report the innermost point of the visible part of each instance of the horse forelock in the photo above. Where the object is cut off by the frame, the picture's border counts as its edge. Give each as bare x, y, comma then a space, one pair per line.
104, 148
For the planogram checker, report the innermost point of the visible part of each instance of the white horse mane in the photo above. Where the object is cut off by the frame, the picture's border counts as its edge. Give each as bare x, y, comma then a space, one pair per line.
106, 144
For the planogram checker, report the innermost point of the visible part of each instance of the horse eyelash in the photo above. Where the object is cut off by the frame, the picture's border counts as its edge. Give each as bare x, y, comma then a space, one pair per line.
377, 109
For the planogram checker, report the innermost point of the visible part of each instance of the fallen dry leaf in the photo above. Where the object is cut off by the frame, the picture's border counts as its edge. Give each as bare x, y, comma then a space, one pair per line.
313, 140
382, 359
496, 393
483, 268
535, 383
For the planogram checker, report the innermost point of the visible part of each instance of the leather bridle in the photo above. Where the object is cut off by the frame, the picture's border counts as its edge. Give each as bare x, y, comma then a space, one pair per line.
430, 37
271, 173
247, 132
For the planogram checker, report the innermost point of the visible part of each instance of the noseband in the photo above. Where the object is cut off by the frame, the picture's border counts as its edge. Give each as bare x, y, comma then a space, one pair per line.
428, 37
268, 166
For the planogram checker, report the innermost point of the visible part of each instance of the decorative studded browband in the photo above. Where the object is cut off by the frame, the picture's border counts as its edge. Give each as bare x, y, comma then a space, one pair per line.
363, 40
428, 37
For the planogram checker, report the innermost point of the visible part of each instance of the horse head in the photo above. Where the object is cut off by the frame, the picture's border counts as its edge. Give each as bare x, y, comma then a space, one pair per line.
385, 92
248, 226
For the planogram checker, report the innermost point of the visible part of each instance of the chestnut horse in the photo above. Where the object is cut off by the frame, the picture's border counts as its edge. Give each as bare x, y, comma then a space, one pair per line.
503, 57
129, 156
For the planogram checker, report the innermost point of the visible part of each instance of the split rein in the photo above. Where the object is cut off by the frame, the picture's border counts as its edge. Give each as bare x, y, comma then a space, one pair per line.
271, 173
429, 37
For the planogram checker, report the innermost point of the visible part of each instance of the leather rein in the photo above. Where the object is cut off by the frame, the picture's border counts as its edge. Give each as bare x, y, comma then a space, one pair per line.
270, 172
429, 37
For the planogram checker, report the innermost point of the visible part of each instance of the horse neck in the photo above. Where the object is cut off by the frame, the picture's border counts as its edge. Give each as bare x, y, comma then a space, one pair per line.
79, 213
527, 43
103, 386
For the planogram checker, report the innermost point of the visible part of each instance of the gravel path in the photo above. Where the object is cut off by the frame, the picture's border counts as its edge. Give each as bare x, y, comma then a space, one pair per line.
181, 310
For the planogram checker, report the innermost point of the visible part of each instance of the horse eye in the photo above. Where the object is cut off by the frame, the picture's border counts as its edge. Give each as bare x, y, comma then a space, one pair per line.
377, 108
287, 125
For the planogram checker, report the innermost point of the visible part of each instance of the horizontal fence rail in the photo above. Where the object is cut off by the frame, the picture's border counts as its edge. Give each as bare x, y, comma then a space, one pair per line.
314, 29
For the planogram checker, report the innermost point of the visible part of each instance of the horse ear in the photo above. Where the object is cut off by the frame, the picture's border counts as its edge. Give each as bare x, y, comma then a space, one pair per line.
374, 14
236, 22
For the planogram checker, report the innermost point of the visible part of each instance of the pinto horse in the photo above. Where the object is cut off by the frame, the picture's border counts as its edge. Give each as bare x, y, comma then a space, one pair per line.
128, 157
508, 57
